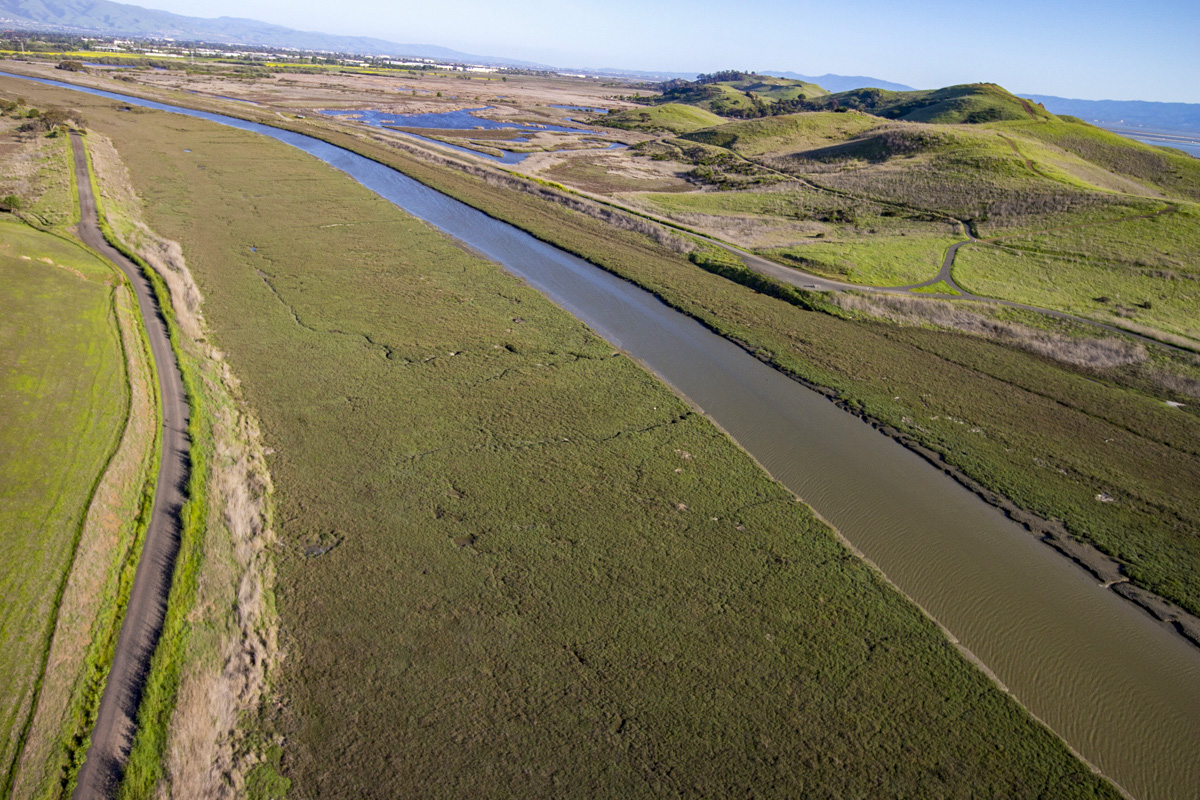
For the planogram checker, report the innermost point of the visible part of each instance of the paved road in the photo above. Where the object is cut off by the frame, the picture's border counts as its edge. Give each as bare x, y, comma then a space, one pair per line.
114, 728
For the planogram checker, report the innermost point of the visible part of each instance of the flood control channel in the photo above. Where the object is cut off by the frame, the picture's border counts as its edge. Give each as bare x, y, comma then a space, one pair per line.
1120, 688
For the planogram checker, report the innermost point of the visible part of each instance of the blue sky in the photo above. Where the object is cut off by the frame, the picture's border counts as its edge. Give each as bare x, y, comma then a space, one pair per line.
1106, 49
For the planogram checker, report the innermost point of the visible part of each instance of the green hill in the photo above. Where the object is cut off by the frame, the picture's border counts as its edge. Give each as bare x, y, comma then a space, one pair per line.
970, 103
1171, 171
740, 94
1027, 148
674, 117
1044, 165
786, 133
746, 95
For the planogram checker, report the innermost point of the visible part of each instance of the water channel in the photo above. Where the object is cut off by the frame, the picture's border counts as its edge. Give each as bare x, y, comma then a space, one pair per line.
461, 119
1120, 688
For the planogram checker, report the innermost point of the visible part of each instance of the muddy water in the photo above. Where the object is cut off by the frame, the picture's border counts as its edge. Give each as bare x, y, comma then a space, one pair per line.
1121, 689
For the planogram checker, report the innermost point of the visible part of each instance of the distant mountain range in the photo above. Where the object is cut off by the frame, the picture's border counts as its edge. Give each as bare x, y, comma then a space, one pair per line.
1182, 117
106, 18
101, 17
843, 83
834, 83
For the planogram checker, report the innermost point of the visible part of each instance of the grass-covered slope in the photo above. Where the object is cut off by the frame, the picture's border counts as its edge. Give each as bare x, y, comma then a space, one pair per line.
672, 117
739, 94
784, 134
1171, 171
64, 397
967, 103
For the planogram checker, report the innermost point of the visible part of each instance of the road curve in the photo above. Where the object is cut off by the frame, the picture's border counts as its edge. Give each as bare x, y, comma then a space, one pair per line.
113, 732
804, 280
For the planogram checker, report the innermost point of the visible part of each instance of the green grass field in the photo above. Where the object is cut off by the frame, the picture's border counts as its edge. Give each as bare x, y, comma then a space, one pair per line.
872, 261
1168, 241
57, 205
671, 117
1112, 292
513, 562
845, 238
64, 391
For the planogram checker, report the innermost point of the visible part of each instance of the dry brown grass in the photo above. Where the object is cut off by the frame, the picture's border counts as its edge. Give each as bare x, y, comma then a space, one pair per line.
203, 759
164, 256
20, 161
504, 180
1177, 384
751, 232
235, 640
1094, 353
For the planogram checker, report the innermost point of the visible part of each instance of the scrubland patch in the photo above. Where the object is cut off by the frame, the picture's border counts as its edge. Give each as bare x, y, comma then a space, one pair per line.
1094, 352
609, 174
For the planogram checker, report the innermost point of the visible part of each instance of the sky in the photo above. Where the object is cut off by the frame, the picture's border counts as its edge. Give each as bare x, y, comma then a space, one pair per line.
1105, 49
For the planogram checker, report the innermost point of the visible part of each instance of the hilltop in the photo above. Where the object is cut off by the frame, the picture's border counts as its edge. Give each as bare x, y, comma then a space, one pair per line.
967, 103
740, 94
746, 95
842, 83
673, 117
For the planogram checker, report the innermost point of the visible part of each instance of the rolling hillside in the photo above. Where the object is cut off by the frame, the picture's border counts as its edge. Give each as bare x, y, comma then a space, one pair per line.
672, 117
967, 103
739, 93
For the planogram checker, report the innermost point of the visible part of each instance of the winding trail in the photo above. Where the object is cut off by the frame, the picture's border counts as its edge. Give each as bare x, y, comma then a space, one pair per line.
115, 720
804, 280
793, 276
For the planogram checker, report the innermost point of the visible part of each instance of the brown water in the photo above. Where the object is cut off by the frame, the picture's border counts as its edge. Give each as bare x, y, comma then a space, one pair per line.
1120, 688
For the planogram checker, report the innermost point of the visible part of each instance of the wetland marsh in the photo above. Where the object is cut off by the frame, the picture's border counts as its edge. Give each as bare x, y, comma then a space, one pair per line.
1118, 687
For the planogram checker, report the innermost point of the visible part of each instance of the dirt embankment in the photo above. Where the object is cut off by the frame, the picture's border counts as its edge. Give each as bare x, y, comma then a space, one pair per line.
112, 734
207, 755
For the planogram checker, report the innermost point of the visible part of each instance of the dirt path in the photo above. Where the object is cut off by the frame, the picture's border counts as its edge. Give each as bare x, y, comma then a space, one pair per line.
113, 733
1028, 108
794, 276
